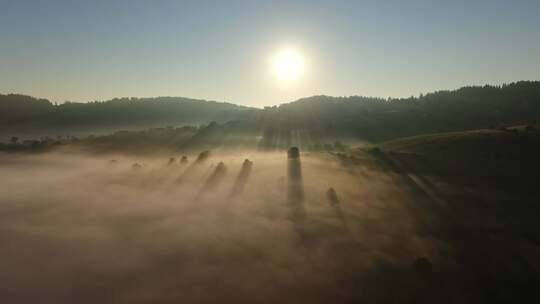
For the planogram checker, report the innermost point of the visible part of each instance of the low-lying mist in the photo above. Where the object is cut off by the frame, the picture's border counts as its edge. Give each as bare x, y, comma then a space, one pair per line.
211, 228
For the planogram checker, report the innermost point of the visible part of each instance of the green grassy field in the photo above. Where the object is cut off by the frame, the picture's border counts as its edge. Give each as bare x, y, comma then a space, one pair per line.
508, 155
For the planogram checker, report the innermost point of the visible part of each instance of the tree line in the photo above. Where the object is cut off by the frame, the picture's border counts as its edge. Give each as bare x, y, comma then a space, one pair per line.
311, 120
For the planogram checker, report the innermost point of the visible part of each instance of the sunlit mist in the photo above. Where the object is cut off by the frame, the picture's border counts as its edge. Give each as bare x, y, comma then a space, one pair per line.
203, 152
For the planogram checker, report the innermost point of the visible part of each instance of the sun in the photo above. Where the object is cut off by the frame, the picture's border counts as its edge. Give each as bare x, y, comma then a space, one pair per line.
288, 65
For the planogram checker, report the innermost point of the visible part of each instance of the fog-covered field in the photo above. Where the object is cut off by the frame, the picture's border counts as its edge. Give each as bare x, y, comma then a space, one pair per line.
85, 229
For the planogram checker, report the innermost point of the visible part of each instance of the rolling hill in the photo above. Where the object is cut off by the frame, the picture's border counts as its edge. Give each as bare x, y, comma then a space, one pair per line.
304, 122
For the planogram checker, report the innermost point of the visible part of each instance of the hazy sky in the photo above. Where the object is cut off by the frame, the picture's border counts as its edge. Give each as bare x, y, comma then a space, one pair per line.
221, 50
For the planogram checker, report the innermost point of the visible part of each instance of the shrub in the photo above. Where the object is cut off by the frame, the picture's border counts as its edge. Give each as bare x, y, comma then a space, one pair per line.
376, 150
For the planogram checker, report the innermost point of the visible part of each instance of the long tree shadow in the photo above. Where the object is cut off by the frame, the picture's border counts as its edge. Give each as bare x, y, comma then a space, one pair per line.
295, 185
242, 178
213, 180
335, 203
203, 156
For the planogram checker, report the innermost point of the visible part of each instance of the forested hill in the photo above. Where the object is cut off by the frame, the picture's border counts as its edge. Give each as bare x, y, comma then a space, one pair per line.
313, 117
378, 119
25, 112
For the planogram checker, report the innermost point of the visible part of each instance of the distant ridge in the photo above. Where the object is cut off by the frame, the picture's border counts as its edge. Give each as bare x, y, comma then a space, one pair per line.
28, 112
354, 117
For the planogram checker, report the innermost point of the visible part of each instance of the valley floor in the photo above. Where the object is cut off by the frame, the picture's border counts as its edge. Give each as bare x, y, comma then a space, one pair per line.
328, 228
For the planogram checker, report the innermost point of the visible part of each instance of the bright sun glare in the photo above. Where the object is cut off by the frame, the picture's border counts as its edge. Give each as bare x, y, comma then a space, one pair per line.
288, 65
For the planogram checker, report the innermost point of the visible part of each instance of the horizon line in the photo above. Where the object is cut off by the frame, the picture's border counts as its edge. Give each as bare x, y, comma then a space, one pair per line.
500, 85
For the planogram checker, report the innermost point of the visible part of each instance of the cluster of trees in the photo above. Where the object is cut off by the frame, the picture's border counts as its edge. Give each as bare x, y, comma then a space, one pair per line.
32, 145
211, 136
15, 108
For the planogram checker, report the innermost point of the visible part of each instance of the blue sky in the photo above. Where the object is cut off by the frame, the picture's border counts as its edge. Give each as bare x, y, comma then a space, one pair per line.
220, 50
